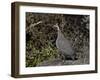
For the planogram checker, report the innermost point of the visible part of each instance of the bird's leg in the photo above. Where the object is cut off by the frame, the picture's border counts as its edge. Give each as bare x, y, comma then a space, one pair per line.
74, 57
62, 56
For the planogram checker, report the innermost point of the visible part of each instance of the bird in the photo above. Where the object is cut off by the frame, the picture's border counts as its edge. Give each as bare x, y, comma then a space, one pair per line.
64, 46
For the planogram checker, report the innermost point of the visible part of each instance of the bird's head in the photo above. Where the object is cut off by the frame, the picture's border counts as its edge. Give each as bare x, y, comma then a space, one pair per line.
56, 26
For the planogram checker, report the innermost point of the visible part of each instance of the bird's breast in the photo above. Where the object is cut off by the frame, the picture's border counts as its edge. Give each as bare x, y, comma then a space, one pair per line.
64, 45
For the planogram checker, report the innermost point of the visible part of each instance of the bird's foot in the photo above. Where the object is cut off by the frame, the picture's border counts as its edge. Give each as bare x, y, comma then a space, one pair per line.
74, 58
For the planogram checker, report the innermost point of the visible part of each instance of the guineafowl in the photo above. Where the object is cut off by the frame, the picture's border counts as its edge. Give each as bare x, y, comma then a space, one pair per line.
64, 46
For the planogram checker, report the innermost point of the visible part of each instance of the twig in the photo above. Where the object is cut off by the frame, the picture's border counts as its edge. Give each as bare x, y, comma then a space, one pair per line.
32, 25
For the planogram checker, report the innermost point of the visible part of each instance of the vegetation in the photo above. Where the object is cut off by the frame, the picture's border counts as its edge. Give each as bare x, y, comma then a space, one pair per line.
41, 39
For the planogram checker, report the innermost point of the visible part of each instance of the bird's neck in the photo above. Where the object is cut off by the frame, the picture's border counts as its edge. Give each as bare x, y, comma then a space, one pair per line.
59, 32
60, 35
58, 28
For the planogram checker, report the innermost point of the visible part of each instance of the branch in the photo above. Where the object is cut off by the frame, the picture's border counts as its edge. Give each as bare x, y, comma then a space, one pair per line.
32, 25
